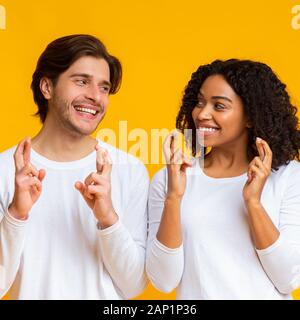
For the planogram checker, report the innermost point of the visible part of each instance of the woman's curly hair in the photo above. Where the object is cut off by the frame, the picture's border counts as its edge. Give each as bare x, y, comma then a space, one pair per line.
267, 104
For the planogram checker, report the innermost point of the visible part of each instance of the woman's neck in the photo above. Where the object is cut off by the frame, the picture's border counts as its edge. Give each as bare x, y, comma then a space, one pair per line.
222, 163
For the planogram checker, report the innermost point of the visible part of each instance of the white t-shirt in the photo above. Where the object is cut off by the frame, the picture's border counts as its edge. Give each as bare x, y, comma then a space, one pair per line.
218, 259
59, 253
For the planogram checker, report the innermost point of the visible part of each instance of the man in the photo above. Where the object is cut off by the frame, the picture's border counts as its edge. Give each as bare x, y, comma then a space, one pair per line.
72, 209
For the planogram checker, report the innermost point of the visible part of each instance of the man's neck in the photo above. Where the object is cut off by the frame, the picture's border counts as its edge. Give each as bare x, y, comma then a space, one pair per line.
58, 145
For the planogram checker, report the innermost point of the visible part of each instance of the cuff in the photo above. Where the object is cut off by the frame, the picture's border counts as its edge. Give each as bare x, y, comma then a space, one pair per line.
13, 221
162, 247
271, 248
111, 229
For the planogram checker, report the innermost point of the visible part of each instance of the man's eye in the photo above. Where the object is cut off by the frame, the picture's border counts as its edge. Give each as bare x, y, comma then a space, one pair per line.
105, 89
81, 82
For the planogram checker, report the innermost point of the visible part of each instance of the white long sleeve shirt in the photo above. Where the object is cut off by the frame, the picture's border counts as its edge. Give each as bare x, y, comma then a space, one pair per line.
59, 253
218, 258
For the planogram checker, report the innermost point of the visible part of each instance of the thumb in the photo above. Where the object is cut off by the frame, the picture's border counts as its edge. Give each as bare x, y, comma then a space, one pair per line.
80, 187
83, 190
250, 177
41, 175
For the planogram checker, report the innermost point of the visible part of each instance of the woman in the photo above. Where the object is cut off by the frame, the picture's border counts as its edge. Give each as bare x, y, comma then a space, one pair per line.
230, 228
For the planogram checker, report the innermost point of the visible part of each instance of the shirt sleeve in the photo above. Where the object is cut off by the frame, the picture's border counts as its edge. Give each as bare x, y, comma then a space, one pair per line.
12, 238
281, 261
123, 245
12, 231
164, 266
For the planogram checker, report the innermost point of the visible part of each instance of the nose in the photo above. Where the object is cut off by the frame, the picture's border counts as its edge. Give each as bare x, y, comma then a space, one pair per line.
93, 93
204, 113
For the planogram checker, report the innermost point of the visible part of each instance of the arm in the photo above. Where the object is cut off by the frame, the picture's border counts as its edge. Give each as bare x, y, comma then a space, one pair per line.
28, 184
164, 265
169, 232
122, 241
277, 249
281, 260
12, 238
262, 228
165, 258
123, 245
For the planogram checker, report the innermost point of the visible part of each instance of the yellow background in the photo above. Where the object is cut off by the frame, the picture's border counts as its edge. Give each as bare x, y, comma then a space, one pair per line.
159, 42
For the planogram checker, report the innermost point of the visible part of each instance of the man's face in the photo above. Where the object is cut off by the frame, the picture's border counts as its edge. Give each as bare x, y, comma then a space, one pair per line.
80, 97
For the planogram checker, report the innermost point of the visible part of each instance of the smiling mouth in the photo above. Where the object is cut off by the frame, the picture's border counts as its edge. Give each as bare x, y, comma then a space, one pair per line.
205, 129
86, 110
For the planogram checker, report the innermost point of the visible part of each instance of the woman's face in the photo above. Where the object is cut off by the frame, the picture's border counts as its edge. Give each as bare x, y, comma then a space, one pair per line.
219, 116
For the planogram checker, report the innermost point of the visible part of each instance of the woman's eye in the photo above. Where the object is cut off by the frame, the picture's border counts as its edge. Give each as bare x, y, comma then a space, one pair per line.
200, 104
219, 106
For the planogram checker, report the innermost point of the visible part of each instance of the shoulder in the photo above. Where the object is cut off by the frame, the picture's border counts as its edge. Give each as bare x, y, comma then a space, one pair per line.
294, 166
159, 182
119, 155
7, 173
287, 178
288, 171
7, 156
160, 176
124, 162
7, 161
292, 175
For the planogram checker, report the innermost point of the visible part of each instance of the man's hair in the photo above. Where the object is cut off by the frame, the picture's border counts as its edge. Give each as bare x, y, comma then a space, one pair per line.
60, 54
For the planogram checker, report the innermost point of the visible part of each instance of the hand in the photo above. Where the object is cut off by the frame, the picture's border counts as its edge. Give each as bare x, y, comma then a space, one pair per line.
28, 182
258, 172
177, 163
96, 190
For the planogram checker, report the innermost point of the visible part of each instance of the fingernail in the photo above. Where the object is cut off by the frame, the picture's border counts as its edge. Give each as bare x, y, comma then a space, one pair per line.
258, 139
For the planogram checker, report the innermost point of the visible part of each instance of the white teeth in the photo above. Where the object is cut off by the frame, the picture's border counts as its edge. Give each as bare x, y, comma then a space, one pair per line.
86, 110
207, 129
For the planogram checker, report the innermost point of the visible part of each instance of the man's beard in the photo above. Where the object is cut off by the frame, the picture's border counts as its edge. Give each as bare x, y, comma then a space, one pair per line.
62, 115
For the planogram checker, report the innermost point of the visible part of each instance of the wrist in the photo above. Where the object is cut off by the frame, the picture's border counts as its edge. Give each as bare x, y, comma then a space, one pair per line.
107, 220
173, 197
253, 203
16, 214
172, 203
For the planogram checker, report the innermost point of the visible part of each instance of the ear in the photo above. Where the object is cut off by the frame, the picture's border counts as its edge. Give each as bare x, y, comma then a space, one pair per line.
46, 88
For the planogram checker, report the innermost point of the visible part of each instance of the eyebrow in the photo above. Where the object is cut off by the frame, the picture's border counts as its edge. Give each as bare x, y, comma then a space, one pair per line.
88, 76
217, 97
